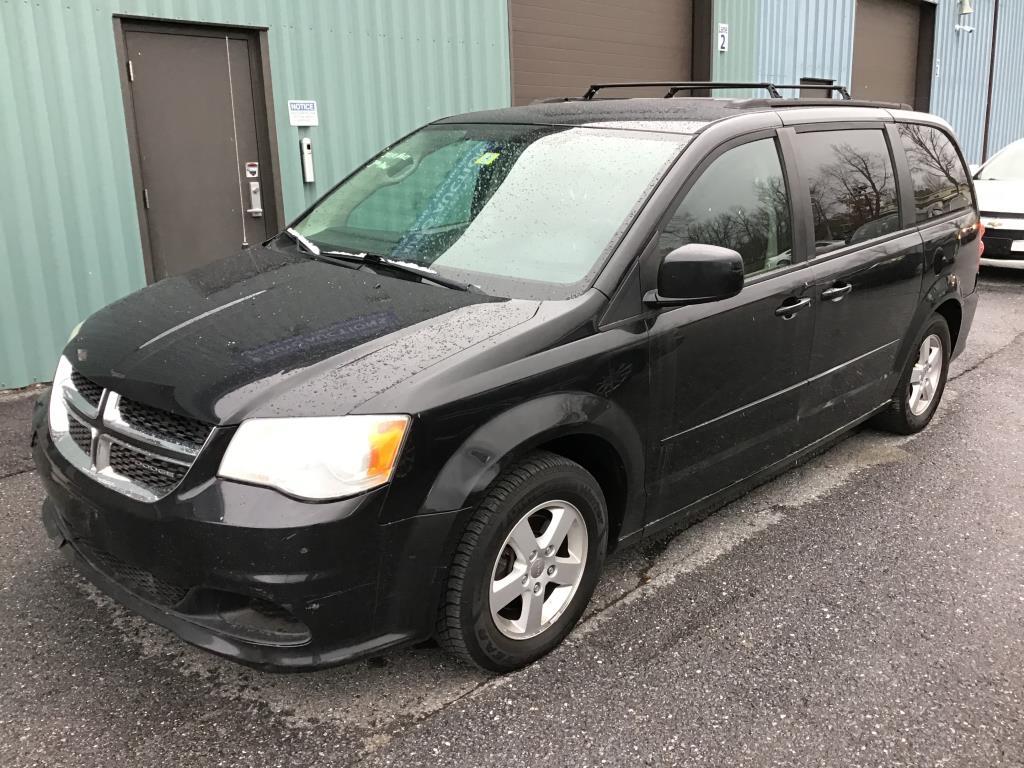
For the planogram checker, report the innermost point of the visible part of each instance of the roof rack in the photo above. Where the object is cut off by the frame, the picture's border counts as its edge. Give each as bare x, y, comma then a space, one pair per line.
840, 89
675, 87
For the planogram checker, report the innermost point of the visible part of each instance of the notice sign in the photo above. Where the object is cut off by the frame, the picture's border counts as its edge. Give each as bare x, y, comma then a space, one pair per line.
723, 38
302, 112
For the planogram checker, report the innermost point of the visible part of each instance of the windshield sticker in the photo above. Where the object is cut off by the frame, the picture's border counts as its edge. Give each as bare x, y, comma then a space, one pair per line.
391, 159
487, 158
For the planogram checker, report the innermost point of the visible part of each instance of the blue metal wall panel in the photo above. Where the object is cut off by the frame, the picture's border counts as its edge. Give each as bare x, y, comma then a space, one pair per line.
960, 77
1008, 82
70, 243
806, 38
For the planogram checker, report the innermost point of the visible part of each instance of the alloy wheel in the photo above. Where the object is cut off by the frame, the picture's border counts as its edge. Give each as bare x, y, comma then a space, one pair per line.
925, 375
538, 569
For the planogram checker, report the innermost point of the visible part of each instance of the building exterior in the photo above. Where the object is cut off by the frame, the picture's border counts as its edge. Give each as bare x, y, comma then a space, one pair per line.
117, 110
964, 67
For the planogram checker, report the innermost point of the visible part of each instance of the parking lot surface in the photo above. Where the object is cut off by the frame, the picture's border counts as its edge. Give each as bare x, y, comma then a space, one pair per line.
864, 609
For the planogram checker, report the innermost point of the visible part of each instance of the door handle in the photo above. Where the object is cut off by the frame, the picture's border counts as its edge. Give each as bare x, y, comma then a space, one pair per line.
255, 201
836, 292
786, 311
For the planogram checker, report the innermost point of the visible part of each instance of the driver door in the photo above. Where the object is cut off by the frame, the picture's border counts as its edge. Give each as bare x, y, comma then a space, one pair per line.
726, 376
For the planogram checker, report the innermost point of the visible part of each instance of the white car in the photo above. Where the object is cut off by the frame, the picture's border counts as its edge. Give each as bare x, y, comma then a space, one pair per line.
1000, 187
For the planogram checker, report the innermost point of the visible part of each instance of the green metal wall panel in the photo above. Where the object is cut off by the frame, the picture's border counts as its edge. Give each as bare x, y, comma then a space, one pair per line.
69, 238
739, 63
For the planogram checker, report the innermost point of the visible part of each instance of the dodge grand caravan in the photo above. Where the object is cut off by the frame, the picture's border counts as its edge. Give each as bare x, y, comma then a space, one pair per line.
508, 343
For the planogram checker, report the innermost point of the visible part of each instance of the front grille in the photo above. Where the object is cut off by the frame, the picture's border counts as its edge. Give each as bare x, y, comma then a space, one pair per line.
163, 424
149, 471
81, 434
136, 580
90, 390
133, 448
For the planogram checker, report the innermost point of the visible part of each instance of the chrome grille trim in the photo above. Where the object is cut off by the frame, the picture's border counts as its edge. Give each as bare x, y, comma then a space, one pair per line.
115, 421
76, 399
107, 428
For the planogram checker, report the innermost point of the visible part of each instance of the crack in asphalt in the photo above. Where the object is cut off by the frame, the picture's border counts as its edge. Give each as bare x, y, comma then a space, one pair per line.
978, 363
17, 472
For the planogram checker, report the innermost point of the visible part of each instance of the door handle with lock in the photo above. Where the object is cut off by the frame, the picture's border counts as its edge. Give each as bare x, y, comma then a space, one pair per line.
836, 292
255, 200
787, 310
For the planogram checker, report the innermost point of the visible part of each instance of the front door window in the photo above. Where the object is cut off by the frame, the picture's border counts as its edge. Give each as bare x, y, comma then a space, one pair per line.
740, 202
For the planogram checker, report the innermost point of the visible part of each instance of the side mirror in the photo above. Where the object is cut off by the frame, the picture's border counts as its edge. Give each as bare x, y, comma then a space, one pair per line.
697, 274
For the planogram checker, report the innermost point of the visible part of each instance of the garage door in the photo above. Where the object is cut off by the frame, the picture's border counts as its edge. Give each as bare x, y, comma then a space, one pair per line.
559, 47
885, 50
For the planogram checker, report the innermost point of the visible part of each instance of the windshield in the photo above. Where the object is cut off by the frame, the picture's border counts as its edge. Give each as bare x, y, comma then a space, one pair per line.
519, 210
1008, 164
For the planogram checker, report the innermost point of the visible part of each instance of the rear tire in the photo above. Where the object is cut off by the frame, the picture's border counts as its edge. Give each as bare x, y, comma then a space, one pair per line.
526, 565
922, 383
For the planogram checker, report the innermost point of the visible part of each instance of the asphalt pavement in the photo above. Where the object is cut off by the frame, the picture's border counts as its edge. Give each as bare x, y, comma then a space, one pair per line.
866, 609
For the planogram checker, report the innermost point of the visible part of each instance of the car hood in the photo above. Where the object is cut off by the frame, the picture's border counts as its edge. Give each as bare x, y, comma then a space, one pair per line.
235, 338
996, 196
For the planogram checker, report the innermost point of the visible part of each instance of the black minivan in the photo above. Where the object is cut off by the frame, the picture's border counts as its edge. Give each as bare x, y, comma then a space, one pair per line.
508, 343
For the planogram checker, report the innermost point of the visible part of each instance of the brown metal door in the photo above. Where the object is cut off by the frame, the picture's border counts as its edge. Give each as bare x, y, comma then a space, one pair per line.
199, 148
885, 42
559, 47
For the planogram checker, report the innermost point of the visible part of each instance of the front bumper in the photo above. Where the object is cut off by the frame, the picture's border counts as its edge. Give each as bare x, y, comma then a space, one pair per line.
247, 572
1000, 242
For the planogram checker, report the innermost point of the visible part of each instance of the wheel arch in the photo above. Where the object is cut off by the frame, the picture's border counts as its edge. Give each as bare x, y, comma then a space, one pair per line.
953, 313
941, 297
583, 427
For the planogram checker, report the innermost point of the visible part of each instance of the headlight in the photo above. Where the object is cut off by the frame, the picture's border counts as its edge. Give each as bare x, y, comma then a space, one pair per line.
316, 457
58, 412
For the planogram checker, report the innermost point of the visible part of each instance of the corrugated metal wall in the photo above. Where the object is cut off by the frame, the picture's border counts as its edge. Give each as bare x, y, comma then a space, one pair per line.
960, 77
739, 63
806, 38
1008, 83
70, 240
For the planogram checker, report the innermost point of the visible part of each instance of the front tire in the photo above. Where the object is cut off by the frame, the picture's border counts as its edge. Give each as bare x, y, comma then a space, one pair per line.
922, 383
526, 565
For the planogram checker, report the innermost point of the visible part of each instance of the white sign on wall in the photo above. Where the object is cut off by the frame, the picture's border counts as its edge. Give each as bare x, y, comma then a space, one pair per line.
302, 112
723, 38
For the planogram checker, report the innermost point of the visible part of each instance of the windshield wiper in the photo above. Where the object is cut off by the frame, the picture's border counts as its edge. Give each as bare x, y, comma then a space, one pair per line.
304, 241
362, 257
424, 273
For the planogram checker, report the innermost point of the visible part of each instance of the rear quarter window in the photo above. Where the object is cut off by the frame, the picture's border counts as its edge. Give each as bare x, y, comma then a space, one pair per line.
941, 183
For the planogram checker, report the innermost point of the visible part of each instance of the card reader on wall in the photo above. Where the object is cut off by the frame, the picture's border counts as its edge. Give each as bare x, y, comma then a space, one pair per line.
306, 154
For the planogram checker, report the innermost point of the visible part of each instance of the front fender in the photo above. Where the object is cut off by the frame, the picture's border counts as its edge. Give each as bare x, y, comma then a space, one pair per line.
505, 439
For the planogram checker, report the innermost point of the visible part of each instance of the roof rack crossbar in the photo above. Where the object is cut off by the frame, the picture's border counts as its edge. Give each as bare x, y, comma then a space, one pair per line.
770, 87
676, 86
840, 89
